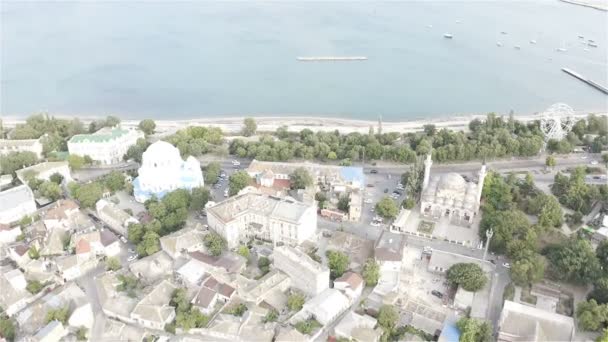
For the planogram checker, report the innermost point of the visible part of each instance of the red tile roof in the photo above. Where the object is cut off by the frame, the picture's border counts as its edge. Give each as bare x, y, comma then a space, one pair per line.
4, 227
83, 246
352, 278
58, 212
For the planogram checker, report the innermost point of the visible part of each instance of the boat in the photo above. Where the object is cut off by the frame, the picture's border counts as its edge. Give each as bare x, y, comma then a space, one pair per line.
561, 49
503, 32
581, 37
499, 44
592, 44
448, 35
591, 40
533, 41
517, 47
585, 49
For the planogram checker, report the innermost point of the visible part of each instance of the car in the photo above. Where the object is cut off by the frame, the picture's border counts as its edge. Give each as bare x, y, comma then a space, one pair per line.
236, 163
492, 261
226, 193
375, 224
372, 209
368, 201
205, 226
370, 185
584, 157
131, 250
506, 265
123, 239
132, 257
386, 191
374, 171
594, 162
437, 294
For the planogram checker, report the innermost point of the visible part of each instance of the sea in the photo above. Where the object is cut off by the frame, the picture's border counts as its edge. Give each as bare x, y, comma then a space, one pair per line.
199, 59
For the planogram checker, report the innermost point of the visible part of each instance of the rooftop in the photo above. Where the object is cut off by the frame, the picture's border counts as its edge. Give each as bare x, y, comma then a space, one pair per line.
41, 168
299, 257
346, 174
353, 279
14, 197
103, 135
17, 142
155, 305
389, 247
520, 322
61, 210
228, 261
275, 207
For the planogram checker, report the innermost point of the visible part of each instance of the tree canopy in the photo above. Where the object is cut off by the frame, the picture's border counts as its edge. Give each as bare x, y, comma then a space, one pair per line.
387, 208
337, 262
147, 126
214, 243
467, 275
238, 181
300, 178
212, 172
371, 272
474, 330
573, 261
387, 317
249, 127
14, 161
591, 315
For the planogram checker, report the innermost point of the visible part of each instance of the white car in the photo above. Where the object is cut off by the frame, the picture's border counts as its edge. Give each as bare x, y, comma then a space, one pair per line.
375, 224
123, 239
236, 163
368, 201
226, 193
132, 257
506, 265
594, 162
131, 250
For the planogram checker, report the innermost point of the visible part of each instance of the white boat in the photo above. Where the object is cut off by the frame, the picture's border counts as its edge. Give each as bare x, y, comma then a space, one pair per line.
517, 47
499, 44
592, 44
448, 35
533, 41
581, 37
585, 49
561, 49
503, 32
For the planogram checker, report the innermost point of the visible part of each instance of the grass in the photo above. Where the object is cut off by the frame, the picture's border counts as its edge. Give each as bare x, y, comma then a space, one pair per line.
426, 227
527, 297
308, 326
509, 293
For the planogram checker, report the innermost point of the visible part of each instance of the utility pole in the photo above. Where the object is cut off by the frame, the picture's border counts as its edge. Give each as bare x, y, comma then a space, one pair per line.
489, 234
380, 124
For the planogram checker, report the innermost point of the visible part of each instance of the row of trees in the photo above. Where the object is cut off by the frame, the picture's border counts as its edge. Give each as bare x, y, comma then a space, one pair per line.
89, 193
574, 193
196, 140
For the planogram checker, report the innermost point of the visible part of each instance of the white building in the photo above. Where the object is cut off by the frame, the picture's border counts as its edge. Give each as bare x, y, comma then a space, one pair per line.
27, 145
9, 234
250, 215
114, 217
163, 170
52, 332
210, 293
358, 328
325, 307
15, 203
96, 243
520, 322
351, 284
182, 241
45, 170
106, 146
14, 295
154, 311
450, 194
306, 274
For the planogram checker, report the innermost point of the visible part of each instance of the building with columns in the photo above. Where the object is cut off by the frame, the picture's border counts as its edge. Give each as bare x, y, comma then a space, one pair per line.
450, 194
106, 146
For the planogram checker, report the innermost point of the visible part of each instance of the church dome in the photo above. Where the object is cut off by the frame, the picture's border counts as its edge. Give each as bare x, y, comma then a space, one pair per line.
161, 153
452, 182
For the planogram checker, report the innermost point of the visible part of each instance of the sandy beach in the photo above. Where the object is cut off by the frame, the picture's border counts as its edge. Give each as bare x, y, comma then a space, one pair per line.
233, 125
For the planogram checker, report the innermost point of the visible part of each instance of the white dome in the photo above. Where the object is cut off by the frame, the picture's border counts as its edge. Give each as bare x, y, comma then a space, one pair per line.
161, 153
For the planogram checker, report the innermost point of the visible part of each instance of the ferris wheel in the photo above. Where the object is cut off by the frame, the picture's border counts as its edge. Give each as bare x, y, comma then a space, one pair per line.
557, 121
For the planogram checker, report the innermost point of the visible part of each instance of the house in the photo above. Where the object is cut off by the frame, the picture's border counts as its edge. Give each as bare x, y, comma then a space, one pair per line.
351, 284
210, 293
14, 295
154, 311
230, 263
19, 254
520, 322
182, 241
116, 218
25, 145
15, 203
64, 215
191, 273
74, 266
9, 234
389, 250
44, 171
106, 146
324, 307
358, 328
306, 274
114, 304
97, 242
269, 289
152, 268
291, 335
52, 332
255, 215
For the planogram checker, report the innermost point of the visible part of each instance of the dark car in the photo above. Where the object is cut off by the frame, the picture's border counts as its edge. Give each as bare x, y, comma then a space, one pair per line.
437, 294
386, 191
373, 171
370, 185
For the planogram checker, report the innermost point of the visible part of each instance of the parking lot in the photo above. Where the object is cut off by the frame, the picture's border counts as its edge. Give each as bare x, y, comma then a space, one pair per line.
377, 186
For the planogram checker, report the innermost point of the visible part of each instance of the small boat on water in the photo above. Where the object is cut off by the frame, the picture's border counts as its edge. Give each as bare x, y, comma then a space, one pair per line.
591, 40
533, 41
561, 49
585, 49
592, 44
581, 37
517, 47
499, 44
448, 35
503, 32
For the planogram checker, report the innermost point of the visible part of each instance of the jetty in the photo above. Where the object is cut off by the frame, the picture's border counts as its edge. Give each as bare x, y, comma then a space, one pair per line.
332, 58
590, 82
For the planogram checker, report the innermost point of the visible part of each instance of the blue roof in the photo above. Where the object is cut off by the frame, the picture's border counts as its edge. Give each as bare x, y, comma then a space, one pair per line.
353, 173
450, 332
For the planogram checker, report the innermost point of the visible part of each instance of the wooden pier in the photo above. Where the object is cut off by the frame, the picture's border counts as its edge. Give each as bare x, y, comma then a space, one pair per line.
590, 82
331, 58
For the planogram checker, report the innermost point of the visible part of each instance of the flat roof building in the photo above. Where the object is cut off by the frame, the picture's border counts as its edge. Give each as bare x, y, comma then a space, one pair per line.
15, 203
306, 274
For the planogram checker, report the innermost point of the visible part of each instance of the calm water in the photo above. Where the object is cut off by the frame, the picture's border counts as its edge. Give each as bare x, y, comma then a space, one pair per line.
195, 59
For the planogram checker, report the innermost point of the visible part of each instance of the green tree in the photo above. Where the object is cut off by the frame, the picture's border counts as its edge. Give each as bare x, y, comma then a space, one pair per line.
81, 334
264, 264
603, 337
14, 161
25, 221
337, 262
135, 232
271, 316
214, 243
199, 198
34, 286
573, 261
306, 327
467, 275
473, 330
591, 315
60, 315
50, 190
408, 203
149, 244
528, 270
113, 264
600, 291
7, 328
387, 318
238, 310
371, 272
506, 226
115, 181
147, 126
212, 172
548, 209
112, 121
128, 284
33, 253
75, 162
550, 162
88, 194
387, 208
56, 178
238, 181
300, 178
249, 127
295, 301
243, 251
344, 203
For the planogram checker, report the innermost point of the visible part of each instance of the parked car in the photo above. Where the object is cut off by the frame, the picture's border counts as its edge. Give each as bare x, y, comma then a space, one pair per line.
226, 193
375, 223
370, 185
386, 191
236, 163
594, 162
132, 257
123, 239
131, 250
506, 265
373, 171
368, 201
437, 294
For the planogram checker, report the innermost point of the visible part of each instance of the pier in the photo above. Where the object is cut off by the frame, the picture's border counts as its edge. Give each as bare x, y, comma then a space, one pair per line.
331, 58
590, 82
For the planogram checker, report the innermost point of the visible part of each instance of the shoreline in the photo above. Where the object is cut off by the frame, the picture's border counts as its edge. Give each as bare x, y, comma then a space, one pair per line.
297, 123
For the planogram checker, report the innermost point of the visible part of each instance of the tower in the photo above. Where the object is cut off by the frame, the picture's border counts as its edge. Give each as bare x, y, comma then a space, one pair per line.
427, 170
481, 177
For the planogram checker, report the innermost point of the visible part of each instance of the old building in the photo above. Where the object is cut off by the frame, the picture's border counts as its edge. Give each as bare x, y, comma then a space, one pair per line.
450, 194
106, 146
154, 311
44, 171
520, 322
351, 284
163, 170
182, 241
306, 274
253, 215
26, 145
15, 203
117, 219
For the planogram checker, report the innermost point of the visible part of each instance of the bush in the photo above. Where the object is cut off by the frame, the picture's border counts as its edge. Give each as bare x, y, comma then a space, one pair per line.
214, 243
295, 301
238, 310
34, 286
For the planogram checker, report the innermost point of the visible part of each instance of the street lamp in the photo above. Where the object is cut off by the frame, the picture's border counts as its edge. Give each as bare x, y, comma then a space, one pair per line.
489, 234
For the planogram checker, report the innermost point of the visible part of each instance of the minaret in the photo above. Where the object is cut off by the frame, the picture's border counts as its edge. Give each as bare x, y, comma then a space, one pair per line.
427, 170
482, 177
